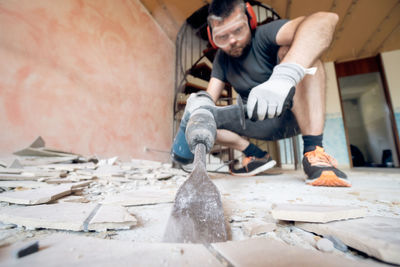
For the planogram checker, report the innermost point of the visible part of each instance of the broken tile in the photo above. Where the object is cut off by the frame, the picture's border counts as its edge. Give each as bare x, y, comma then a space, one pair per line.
59, 181
37, 149
266, 252
18, 177
71, 250
62, 216
79, 185
325, 245
16, 165
140, 163
376, 236
36, 196
315, 213
40, 195
163, 176
257, 227
69, 167
141, 197
39, 152
24, 184
35, 161
39, 142
73, 198
69, 216
111, 217
11, 171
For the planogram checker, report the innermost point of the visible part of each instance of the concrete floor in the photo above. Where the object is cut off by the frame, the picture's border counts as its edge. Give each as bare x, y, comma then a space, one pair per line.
245, 200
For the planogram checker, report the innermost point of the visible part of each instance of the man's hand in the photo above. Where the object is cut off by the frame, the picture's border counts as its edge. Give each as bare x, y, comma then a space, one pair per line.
271, 96
195, 101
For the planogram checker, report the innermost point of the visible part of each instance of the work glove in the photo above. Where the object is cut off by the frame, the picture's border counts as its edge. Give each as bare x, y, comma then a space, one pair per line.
269, 98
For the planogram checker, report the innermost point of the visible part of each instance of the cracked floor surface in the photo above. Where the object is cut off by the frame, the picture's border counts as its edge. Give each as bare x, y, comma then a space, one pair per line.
247, 202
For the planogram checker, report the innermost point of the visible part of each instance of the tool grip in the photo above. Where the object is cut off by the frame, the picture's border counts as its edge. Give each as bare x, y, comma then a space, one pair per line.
201, 128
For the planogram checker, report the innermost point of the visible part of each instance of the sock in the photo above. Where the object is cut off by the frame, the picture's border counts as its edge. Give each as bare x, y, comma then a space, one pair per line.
311, 141
253, 150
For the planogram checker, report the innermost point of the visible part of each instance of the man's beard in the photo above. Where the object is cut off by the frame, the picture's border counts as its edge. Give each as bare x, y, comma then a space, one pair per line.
237, 51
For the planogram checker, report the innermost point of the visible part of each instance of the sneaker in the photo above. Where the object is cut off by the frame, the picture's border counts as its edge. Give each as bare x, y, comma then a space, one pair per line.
321, 169
253, 166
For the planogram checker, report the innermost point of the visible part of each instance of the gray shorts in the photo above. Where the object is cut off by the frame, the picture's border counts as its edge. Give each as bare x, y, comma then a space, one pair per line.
277, 128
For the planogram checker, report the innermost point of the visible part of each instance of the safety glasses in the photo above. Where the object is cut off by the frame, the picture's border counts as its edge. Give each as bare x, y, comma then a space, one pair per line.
236, 29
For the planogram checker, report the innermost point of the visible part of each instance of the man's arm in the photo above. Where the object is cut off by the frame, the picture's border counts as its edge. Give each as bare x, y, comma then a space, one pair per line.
215, 87
308, 37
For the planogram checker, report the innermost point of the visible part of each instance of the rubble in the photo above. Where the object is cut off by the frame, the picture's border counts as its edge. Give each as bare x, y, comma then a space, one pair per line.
131, 201
376, 236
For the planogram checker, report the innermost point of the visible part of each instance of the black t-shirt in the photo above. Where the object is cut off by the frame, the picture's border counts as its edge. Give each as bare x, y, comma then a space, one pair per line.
255, 65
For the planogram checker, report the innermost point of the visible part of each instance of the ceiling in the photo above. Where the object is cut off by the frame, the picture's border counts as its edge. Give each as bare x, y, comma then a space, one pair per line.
366, 27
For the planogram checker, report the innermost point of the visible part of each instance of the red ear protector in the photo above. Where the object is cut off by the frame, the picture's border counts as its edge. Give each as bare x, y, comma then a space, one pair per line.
252, 23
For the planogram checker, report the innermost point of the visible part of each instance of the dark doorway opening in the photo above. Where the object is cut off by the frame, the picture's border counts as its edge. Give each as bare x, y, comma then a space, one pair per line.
372, 137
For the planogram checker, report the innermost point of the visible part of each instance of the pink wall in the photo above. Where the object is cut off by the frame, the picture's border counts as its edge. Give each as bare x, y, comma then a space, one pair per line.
91, 77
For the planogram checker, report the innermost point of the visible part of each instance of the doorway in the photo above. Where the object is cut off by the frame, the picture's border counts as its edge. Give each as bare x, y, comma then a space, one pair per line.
372, 137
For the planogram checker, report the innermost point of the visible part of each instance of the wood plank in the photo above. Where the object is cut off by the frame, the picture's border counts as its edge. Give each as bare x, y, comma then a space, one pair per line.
376, 236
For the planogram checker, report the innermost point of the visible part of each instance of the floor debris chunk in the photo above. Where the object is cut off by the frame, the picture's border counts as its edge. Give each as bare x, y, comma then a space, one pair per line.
69, 216
69, 250
36, 196
259, 252
376, 236
141, 197
256, 227
111, 217
315, 213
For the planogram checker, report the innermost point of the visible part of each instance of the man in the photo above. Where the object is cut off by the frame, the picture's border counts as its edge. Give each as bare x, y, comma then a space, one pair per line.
265, 66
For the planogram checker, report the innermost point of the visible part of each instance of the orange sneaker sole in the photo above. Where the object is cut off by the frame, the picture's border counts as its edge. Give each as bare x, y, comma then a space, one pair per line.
329, 178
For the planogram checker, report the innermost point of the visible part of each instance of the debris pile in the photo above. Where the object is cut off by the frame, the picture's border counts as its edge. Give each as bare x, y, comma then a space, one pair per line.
52, 189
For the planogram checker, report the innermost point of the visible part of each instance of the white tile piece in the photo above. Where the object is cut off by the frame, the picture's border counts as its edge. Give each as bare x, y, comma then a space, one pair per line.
315, 213
141, 197
36, 196
112, 217
63, 216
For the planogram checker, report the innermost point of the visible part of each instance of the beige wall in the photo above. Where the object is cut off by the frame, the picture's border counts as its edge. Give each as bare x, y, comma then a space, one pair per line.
391, 64
332, 91
89, 76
